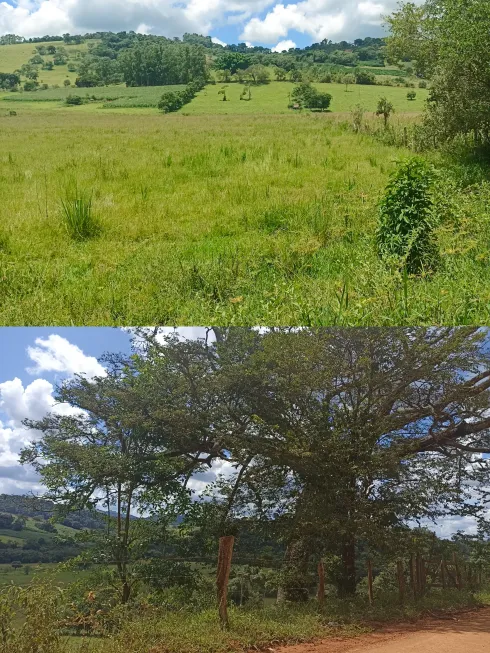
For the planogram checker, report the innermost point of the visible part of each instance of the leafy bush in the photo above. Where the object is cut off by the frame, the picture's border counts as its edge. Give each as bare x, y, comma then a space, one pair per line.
173, 100
406, 217
74, 100
307, 96
411, 95
364, 77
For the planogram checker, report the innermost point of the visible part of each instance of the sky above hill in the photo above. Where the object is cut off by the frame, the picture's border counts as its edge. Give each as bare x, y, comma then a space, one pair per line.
257, 22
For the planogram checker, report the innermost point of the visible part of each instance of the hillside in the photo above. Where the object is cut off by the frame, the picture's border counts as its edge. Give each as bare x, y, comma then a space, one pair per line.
28, 536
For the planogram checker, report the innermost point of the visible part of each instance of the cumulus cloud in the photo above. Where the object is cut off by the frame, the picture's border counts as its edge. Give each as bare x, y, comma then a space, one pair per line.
218, 41
284, 45
346, 19
320, 19
57, 354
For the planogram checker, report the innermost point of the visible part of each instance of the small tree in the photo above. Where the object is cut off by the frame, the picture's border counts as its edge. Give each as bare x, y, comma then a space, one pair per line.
280, 74
348, 79
385, 109
67, 83
357, 117
411, 95
222, 92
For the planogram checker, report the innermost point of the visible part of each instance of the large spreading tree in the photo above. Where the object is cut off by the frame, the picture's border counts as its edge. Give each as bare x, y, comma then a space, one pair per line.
338, 436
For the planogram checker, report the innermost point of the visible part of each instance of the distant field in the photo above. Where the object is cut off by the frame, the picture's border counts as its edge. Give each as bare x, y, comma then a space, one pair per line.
272, 98
109, 96
13, 56
25, 574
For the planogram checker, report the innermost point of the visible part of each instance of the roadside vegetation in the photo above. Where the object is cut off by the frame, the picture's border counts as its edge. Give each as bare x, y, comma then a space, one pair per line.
298, 540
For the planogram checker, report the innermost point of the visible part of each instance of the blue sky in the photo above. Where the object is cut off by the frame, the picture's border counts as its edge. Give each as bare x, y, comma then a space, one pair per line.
258, 22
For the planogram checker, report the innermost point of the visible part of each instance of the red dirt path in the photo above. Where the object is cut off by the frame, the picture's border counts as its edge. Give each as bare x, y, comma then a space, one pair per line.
463, 633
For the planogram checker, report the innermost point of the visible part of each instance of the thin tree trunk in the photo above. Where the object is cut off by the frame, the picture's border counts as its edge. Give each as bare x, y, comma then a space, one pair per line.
347, 583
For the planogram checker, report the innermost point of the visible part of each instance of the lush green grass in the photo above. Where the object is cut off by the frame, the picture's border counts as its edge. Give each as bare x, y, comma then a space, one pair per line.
217, 219
12, 57
274, 98
270, 98
109, 96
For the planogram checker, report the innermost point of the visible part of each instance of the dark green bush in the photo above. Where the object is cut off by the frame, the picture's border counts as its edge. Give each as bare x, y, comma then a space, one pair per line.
406, 217
74, 100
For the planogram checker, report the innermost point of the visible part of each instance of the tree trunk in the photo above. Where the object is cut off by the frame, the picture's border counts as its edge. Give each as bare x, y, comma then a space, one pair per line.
126, 592
294, 582
347, 583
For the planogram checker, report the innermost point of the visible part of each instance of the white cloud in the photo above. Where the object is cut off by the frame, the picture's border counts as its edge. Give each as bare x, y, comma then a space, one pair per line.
218, 41
318, 18
283, 45
57, 354
346, 19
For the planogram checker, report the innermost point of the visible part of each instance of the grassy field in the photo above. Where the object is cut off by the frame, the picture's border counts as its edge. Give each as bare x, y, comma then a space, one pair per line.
223, 219
22, 578
12, 57
271, 98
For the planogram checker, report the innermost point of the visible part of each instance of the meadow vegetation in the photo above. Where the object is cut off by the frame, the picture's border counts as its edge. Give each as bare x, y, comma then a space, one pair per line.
249, 203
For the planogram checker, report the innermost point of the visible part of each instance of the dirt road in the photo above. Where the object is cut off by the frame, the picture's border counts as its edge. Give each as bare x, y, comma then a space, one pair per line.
468, 632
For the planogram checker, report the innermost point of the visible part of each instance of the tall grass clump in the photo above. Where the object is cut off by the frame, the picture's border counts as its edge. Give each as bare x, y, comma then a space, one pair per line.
78, 215
406, 223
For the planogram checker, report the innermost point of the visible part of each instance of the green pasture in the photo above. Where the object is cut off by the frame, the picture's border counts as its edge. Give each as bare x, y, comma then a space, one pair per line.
12, 57
222, 219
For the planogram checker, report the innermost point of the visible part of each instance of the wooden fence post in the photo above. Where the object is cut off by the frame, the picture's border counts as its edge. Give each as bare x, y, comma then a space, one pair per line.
222, 577
370, 581
321, 583
413, 576
401, 580
457, 570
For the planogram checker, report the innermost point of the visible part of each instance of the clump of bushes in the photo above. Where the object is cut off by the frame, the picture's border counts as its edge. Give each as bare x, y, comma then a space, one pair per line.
305, 95
406, 224
74, 100
174, 100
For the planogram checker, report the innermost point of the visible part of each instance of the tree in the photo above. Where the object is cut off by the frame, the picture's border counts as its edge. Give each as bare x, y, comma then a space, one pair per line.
385, 108
372, 428
232, 61
447, 39
348, 79
106, 452
280, 74
309, 97
411, 95
258, 74
9, 81
363, 76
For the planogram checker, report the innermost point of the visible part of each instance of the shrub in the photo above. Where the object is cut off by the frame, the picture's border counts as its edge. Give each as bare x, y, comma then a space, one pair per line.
74, 100
411, 95
305, 95
364, 77
67, 83
174, 100
406, 217
422, 83
78, 215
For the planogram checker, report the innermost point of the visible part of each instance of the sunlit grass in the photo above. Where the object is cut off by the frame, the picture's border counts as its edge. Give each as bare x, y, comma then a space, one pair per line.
217, 219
